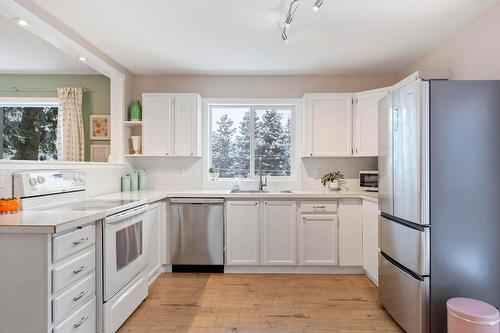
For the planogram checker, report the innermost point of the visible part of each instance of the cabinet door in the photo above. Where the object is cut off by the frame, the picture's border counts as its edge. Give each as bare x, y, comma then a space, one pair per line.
280, 220
154, 232
328, 125
318, 239
370, 240
242, 233
186, 125
157, 121
350, 232
365, 121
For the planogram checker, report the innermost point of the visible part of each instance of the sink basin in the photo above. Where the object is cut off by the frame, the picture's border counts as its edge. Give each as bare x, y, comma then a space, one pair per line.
257, 192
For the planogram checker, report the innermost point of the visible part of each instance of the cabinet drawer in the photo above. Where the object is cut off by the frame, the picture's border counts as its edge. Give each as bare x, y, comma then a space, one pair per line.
73, 270
319, 207
72, 242
81, 321
73, 297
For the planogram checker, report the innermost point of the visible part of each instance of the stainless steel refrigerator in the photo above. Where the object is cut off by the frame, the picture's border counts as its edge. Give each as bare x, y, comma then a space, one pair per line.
439, 198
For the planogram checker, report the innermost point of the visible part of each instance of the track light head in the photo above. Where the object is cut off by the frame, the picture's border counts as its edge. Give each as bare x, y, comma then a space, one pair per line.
317, 4
284, 36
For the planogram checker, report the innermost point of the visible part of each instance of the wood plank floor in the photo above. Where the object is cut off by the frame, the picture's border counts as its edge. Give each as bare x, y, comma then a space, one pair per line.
260, 303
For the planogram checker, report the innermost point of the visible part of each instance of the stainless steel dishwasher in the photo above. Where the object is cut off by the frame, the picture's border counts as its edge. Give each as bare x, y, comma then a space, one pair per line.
197, 234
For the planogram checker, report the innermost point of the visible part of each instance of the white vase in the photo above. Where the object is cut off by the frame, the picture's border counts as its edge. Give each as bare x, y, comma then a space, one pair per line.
136, 144
334, 186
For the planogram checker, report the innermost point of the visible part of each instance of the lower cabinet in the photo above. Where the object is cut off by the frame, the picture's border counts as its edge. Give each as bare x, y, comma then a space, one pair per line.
350, 232
279, 233
318, 239
370, 239
242, 233
276, 232
157, 238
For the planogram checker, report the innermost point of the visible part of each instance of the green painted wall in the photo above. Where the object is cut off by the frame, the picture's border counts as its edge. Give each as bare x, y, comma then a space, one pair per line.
95, 101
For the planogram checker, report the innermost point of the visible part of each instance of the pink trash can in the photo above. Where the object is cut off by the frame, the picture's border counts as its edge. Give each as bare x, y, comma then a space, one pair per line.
467, 315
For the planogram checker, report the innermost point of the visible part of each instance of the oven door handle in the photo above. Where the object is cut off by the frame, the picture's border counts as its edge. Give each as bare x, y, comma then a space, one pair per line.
129, 213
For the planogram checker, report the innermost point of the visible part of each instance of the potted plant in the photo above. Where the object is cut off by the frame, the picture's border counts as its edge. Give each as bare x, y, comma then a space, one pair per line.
214, 174
333, 180
9, 205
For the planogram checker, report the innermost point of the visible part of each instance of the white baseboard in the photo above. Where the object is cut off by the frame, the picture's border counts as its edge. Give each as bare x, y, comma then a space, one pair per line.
372, 279
294, 270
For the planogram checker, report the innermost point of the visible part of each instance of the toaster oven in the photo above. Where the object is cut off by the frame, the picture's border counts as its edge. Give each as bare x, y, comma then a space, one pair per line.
368, 180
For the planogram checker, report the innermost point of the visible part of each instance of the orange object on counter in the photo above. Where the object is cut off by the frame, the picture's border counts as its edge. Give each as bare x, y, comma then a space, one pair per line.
9, 206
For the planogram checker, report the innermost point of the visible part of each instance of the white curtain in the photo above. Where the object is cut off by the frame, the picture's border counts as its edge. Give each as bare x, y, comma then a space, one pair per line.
70, 136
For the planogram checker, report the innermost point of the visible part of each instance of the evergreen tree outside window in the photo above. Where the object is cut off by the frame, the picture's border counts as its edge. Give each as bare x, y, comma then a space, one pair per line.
239, 135
28, 132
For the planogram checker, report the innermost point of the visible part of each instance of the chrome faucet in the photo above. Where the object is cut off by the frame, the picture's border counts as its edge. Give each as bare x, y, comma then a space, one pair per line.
261, 184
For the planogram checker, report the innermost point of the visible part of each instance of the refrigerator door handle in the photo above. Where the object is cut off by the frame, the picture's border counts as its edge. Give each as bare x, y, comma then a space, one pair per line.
396, 119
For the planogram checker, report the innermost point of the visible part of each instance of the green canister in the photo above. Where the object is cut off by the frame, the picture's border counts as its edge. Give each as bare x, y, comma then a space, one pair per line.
143, 180
134, 181
135, 110
125, 183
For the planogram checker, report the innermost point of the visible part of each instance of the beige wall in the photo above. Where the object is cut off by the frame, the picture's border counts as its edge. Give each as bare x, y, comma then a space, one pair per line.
258, 86
471, 54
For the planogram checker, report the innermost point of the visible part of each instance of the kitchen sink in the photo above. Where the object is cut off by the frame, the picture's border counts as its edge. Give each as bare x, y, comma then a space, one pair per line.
257, 191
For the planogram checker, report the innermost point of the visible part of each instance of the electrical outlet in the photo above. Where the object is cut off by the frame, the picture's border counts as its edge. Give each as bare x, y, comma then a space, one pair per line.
180, 171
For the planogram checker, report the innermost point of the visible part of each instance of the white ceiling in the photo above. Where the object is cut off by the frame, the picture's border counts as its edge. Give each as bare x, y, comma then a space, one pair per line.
21, 52
242, 36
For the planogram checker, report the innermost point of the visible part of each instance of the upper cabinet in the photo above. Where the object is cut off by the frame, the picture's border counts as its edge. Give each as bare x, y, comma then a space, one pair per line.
339, 125
171, 124
328, 124
365, 122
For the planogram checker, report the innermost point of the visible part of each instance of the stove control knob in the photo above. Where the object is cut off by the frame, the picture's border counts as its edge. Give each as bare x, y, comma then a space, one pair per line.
33, 181
40, 179
82, 178
75, 177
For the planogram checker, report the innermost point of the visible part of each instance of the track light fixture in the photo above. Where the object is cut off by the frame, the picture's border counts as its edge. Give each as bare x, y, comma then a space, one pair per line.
294, 5
317, 4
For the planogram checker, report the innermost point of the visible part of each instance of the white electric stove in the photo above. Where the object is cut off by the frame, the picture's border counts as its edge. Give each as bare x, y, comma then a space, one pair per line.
122, 250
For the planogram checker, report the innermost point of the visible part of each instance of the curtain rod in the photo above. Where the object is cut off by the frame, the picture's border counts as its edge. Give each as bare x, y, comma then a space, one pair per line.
15, 89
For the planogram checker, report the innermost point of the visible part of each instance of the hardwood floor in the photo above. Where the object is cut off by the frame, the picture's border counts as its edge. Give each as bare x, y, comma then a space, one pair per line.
260, 303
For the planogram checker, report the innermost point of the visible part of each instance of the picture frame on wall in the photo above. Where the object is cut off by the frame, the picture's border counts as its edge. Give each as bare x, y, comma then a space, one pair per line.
99, 127
99, 152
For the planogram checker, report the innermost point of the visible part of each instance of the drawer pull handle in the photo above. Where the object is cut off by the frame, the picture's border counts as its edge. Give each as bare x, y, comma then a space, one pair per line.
81, 322
83, 293
78, 242
319, 207
76, 271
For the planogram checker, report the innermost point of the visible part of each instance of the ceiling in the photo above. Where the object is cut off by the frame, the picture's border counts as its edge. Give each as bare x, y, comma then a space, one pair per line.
242, 36
21, 52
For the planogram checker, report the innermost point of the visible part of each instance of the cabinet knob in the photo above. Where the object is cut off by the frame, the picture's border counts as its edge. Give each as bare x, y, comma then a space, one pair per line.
192, 154
311, 154
166, 153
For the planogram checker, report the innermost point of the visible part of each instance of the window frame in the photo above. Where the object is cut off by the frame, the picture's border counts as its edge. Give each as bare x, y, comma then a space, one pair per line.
256, 103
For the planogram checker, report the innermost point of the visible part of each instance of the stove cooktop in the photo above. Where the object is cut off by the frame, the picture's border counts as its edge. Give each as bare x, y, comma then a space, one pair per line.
110, 206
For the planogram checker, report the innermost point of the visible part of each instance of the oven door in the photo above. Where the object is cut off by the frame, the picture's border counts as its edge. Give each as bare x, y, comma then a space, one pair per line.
124, 249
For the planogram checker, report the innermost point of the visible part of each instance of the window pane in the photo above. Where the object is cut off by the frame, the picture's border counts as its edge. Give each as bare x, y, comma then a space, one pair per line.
28, 133
230, 141
273, 141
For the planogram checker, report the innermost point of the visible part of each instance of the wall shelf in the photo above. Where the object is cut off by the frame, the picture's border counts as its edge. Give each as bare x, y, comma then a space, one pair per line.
133, 123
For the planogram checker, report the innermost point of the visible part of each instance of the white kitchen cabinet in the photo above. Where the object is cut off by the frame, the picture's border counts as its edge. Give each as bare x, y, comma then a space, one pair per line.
350, 232
370, 239
365, 122
328, 125
157, 119
279, 233
318, 239
155, 228
242, 233
171, 124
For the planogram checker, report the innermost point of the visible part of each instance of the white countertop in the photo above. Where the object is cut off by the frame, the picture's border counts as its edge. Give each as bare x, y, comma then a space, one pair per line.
156, 195
46, 221
53, 220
